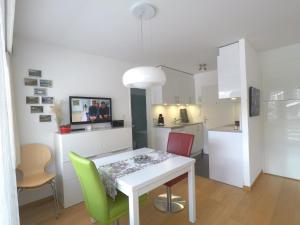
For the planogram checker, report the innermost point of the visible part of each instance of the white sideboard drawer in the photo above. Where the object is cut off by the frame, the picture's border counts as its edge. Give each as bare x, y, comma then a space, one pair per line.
96, 142
68, 171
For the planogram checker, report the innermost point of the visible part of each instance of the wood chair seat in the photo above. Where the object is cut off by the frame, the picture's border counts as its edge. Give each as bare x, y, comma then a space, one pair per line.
36, 180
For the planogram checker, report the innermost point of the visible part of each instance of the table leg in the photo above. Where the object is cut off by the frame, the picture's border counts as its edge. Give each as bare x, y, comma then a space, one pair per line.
134, 209
192, 196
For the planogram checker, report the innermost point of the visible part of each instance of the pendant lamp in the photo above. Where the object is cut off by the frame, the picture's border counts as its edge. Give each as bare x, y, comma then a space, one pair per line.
144, 77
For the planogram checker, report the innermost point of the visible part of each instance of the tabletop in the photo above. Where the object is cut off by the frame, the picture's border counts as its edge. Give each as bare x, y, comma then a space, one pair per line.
148, 174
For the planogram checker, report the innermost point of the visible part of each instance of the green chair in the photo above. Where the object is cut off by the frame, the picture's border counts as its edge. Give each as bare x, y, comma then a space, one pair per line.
101, 207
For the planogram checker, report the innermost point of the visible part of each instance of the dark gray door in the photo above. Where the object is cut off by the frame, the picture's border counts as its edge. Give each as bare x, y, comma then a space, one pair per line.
139, 118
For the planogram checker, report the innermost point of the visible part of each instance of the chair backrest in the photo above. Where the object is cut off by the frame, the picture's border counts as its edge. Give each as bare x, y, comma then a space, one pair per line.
34, 159
92, 188
180, 143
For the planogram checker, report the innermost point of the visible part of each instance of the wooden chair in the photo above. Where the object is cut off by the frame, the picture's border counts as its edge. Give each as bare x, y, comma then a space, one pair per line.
34, 159
179, 144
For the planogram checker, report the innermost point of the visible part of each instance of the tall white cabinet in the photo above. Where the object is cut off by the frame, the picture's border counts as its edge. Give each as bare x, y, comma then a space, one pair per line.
229, 73
179, 89
281, 111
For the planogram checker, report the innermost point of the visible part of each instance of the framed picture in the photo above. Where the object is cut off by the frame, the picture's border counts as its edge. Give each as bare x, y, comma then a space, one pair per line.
47, 100
34, 73
32, 100
46, 83
40, 91
30, 82
36, 109
76, 102
254, 101
45, 118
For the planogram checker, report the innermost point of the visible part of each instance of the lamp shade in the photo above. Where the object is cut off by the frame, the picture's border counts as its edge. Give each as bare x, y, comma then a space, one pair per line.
144, 77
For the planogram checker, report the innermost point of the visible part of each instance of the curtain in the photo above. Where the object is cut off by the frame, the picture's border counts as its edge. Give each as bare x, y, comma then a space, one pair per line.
9, 213
8, 22
13, 134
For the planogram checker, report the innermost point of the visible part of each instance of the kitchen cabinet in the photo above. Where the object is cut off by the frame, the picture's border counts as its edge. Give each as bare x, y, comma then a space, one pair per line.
178, 89
226, 155
161, 135
198, 143
203, 80
229, 74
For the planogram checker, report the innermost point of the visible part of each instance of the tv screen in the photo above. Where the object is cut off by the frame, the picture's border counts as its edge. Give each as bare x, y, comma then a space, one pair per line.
84, 110
254, 101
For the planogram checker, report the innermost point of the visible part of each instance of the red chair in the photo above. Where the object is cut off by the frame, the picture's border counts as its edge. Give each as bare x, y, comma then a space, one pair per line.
179, 144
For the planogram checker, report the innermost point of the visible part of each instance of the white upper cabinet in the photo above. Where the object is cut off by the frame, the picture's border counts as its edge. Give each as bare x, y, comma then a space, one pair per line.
179, 89
229, 75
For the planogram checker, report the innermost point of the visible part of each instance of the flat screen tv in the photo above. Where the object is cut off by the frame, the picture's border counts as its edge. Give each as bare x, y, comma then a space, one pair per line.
254, 101
85, 110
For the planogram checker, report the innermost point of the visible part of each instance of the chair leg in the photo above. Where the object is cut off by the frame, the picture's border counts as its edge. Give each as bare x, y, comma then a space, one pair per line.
53, 187
169, 203
19, 190
117, 222
169, 199
92, 220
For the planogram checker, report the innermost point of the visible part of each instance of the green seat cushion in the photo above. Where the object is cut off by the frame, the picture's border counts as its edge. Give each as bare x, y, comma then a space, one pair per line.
120, 206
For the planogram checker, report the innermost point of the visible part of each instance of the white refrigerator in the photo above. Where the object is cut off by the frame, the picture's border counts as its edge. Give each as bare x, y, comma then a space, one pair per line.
281, 112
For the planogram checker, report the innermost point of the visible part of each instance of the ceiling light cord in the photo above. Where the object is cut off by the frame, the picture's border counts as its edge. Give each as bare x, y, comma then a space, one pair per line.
143, 76
142, 36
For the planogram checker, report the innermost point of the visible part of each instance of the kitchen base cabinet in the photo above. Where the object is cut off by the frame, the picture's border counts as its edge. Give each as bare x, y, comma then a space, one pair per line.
226, 157
161, 135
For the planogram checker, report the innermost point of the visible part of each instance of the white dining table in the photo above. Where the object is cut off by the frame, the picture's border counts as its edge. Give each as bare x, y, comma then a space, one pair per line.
150, 177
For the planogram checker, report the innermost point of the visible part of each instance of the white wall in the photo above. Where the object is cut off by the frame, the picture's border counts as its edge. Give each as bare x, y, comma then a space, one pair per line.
281, 82
217, 112
170, 112
251, 126
73, 73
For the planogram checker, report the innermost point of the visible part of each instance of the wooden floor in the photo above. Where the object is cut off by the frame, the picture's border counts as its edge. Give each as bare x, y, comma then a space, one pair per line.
273, 201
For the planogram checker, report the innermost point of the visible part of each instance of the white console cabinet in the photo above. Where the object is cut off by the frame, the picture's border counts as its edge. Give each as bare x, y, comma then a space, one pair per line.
87, 144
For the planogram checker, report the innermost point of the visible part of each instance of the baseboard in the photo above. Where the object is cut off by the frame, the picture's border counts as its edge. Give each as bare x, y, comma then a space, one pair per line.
37, 202
247, 188
289, 178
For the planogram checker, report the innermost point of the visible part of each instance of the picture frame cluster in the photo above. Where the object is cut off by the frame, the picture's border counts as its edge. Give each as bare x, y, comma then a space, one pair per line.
39, 98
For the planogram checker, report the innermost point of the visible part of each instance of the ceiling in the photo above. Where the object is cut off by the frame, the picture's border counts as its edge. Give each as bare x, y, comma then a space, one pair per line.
183, 34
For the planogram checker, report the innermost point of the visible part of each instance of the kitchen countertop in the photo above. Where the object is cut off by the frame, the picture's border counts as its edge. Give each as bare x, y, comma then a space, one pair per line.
173, 126
227, 128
